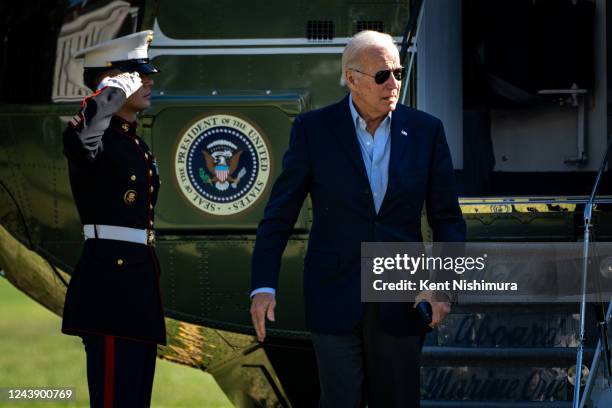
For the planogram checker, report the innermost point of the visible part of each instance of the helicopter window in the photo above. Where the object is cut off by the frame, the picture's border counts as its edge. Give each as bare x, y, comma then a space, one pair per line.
318, 30
369, 25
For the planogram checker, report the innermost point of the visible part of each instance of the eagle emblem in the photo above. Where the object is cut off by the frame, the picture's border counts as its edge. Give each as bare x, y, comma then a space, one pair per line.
222, 160
222, 165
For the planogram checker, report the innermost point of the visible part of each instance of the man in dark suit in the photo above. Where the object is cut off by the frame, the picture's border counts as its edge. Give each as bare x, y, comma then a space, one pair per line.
369, 165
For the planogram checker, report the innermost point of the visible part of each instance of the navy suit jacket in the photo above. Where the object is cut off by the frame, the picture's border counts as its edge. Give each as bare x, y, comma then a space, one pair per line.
324, 160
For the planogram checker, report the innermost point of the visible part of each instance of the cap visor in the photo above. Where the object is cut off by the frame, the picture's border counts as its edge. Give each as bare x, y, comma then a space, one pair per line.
143, 68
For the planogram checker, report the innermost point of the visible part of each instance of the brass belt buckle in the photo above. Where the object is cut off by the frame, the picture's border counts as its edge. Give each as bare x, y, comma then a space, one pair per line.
150, 237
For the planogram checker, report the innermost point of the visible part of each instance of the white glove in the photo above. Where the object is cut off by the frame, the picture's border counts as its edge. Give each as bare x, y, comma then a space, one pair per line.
128, 82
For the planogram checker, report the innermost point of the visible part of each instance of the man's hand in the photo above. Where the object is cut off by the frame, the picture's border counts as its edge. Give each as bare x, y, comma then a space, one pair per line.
262, 306
128, 82
440, 306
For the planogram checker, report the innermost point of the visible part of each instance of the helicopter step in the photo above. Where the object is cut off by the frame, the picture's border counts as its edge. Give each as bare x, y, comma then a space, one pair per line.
503, 356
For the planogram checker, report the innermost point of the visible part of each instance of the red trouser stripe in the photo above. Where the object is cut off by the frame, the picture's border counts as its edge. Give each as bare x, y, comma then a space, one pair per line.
109, 371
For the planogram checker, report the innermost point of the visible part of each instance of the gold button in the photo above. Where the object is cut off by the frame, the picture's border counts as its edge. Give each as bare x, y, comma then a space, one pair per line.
150, 172
136, 141
150, 206
119, 261
125, 127
151, 223
152, 189
133, 177
146, 156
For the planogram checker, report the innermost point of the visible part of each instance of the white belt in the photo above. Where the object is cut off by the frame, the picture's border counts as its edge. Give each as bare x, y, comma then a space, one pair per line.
139, 236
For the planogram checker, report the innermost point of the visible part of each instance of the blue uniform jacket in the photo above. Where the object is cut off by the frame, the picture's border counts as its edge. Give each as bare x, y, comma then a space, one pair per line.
114, 288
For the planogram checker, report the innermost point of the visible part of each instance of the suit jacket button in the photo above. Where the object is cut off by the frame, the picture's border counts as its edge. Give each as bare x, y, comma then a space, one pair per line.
151, 189
133, 177
119, 261
146, 156
150, 172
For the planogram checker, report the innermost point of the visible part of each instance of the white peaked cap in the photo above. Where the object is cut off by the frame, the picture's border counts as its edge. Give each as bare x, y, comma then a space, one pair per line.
131, 49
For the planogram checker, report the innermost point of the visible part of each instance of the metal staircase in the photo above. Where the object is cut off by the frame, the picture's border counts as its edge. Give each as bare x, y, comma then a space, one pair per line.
513, 355
502, 356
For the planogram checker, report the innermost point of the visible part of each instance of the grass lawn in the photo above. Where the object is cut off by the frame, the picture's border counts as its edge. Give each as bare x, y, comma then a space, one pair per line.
33, 353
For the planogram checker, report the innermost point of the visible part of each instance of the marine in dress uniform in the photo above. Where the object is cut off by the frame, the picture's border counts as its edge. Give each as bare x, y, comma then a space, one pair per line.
113, 301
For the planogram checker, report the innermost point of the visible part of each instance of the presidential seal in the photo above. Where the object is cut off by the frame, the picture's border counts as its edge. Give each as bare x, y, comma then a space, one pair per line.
222, 164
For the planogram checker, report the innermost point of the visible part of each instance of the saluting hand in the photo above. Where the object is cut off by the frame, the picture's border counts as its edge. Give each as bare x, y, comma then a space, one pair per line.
440, 306
262, 306
128, 82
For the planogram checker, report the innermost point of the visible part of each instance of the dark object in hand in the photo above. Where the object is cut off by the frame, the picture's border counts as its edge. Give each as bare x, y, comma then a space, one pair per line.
425, 312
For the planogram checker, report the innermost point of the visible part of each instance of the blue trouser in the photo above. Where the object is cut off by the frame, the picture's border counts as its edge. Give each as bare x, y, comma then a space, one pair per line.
119, 371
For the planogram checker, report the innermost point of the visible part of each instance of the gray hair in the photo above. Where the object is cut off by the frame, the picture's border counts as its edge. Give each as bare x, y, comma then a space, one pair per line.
363, 40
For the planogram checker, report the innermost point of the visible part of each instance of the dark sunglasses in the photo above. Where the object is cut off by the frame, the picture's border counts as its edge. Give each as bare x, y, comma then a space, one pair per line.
381, 76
